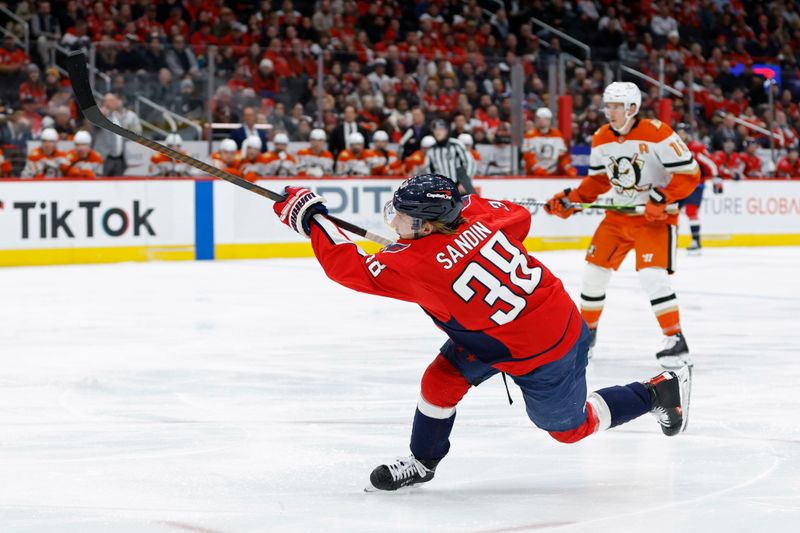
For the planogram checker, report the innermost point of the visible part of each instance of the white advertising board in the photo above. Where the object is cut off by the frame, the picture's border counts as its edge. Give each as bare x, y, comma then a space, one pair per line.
74, 214
750, 207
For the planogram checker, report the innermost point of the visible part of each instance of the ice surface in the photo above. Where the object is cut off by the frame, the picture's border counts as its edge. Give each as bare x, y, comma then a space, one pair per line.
254, 396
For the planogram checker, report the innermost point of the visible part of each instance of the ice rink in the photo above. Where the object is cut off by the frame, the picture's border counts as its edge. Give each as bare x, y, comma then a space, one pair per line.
257, 396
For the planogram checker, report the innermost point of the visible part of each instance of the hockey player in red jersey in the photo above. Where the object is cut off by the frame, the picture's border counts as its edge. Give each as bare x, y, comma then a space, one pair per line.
462, 260
708, 169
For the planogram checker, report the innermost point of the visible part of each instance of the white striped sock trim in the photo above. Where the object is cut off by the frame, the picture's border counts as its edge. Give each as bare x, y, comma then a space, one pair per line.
601, 410
663, 307
434, 411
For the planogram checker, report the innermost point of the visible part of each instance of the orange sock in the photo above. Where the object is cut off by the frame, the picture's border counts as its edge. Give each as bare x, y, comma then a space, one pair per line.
591, 316
669, 321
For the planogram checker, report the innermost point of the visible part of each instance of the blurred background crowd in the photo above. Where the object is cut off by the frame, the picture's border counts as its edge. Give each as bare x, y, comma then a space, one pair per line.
367, 79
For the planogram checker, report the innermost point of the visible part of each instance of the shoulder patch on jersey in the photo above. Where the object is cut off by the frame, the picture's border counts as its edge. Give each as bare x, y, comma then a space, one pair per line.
650, 130
395, 247
603, 135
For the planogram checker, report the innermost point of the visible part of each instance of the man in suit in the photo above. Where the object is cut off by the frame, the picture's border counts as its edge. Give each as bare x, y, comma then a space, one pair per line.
341, 133
410, 141
248, 128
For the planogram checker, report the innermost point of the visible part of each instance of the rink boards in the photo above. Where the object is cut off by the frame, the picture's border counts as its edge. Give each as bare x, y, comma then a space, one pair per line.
131, 219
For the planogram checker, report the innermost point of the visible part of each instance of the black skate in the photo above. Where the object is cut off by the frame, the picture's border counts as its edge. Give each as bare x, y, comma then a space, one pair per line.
592, 341
694, 247
404, 472
670, 393
675, 353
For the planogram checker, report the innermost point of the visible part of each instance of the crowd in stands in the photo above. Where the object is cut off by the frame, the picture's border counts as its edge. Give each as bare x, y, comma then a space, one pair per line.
393, 67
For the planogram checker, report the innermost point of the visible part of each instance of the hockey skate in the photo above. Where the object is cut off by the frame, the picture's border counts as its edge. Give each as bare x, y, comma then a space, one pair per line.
694, 247
404, 472
675, 353
670, 394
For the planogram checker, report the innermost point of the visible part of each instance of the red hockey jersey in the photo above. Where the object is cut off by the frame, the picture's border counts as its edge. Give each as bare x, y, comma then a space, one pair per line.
480, 286
708, 167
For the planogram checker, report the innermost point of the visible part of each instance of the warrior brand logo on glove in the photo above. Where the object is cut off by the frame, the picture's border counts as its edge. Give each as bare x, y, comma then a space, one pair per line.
297, 209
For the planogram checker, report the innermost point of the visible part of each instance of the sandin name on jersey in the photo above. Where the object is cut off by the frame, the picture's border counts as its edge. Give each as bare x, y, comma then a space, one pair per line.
466, 241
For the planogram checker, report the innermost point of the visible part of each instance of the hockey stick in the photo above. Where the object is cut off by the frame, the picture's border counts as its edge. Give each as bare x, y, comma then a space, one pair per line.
79, 76
637, 209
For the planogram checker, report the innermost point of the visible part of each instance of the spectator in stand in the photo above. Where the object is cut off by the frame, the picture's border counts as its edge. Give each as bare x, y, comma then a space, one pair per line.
253, 162
153, 55
323, 17
341, 136
297, 118
77, 37
315, 161
53, 82
248, 128
223, 108
164, 92
265, 82
785, 135
279, 162
789, 165
749, 159
544, 151
44, 27
227, 157
63, 123
110, 145
355, 160
163, 166
82, 161
412, 137
180, 59
727, 130
45, 161
187, 103
31, 113
34, 88
662, 23
631, 52
386, 162
175, 22
12, 58
728, 162
129, 58
378, 75
18, 131
279, 121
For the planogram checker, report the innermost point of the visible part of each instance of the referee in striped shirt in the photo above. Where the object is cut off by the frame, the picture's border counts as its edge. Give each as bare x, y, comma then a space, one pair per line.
449, 158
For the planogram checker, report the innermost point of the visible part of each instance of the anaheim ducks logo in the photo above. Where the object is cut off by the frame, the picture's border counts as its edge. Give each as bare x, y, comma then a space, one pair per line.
624, 173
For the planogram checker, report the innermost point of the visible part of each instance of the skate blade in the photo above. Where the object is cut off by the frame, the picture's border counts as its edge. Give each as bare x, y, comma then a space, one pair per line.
675, 362
685, 381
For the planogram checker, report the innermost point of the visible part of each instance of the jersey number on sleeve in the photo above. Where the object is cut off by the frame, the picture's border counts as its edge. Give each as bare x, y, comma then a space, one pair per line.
510, 260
